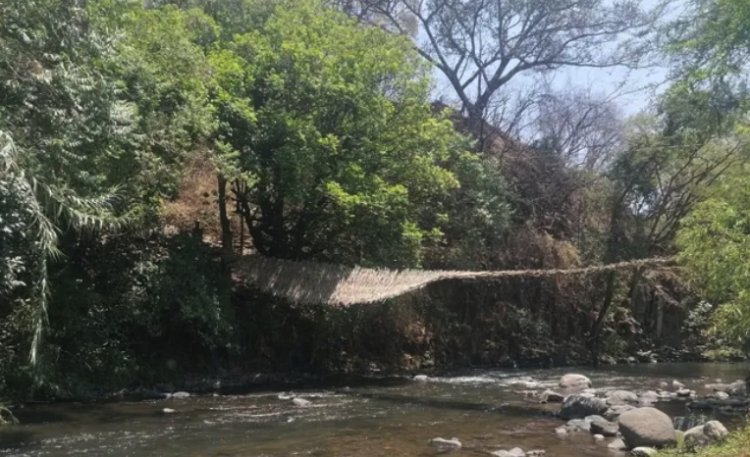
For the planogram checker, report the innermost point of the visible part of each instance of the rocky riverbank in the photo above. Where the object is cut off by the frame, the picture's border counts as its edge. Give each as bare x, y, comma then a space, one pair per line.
629, 421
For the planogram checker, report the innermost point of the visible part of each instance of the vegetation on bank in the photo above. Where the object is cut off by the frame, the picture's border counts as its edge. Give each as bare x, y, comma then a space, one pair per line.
737, 444
144, 144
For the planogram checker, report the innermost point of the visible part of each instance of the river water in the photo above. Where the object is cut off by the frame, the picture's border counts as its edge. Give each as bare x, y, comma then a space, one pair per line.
486, 410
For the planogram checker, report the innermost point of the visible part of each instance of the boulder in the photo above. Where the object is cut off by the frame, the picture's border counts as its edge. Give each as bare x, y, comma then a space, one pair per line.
617, 445
664, 395
180, 395
684, 392
648, 398
703, 435
677, 384
644, 452
598, 438
647, 427
695, 437
550, 396
602, 426
301, 402
620, 397
718, 387
445, 445
715, 430
615, 411
575, 381
719, 395
578, 406
579, 425
737, 389
515, 452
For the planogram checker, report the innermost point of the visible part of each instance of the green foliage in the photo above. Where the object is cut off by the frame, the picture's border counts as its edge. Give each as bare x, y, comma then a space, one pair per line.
132, 312
88, 126
713, 39
332, 123
715, 242
736, 445
474, 218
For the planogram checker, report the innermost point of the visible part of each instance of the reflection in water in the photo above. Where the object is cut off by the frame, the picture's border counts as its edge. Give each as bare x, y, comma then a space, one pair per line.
487, 411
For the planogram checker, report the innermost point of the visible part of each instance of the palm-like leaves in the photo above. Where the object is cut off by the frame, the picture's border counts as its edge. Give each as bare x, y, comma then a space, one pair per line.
48, 208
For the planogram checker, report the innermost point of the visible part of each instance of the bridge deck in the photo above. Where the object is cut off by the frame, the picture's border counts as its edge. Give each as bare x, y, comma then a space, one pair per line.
305, 282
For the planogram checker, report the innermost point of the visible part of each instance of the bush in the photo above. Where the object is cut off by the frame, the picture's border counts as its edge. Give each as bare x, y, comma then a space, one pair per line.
128, 312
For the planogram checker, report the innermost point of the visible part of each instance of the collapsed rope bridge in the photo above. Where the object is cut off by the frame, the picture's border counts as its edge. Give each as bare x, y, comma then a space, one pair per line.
306, 282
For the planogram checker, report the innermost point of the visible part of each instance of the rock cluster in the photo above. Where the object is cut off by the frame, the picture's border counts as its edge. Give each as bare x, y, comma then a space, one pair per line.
622, 420
630, 419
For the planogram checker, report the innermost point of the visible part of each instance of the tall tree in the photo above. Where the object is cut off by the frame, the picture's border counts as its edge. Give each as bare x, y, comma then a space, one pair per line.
711, 42
331, 123
480, 46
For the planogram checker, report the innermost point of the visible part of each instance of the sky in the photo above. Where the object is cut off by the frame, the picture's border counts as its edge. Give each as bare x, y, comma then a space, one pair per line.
633, 91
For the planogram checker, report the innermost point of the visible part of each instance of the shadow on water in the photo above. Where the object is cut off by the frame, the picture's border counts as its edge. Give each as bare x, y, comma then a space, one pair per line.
505, 409
15, 437
102, 413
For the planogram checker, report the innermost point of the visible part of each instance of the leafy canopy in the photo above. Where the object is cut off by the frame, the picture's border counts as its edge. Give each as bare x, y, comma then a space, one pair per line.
333, 123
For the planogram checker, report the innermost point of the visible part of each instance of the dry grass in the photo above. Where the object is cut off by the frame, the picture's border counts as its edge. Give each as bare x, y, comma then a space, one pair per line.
196, 201
336, 285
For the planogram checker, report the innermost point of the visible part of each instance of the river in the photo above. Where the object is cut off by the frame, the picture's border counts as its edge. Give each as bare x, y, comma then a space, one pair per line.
487, 410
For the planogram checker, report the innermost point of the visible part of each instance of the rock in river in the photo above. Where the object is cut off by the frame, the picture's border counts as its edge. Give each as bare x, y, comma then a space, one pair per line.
644, 452
738, 389
550, 396
648, 398
575, 381
578, 406
301, 402
702, 435
578, 425
719, 395
445, 445
647, 427
602, 426
515, 452
620, 397
614, 412
617, 445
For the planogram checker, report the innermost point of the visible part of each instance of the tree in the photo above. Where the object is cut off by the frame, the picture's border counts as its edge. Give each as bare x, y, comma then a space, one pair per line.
668, 164
714, 245
331, 124
584, 129
480, 46
711, 39
711, 43
62, 131
92, 129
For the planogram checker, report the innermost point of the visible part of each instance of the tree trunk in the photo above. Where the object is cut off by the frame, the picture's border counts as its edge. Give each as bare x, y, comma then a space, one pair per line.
609, 293
226, 227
